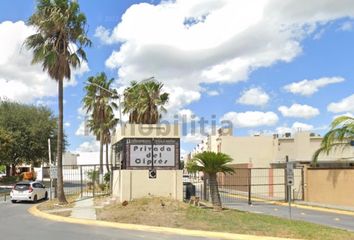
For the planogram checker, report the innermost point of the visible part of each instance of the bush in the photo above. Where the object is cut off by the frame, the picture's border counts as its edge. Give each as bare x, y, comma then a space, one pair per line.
93, 176
10, 179
107, 177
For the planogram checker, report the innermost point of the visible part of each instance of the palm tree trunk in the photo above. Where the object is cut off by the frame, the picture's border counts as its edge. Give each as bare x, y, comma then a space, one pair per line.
107, 162
60, 189
101, 155
214, 191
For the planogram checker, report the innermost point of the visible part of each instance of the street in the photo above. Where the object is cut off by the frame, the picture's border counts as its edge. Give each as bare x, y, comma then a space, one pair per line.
319, 217
16, 223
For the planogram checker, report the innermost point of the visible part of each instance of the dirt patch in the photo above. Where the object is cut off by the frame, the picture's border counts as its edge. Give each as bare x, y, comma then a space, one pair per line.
156, 211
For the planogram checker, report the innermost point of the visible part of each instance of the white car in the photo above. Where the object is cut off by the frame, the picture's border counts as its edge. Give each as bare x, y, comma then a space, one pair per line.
28, 191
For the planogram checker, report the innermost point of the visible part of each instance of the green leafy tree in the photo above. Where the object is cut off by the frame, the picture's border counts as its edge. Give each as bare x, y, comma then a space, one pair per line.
211, 163
58, 46
24, 131
339, 137
99, 103
144, 102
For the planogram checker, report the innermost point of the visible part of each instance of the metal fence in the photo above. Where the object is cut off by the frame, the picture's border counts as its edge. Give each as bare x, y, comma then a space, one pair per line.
83, 180
253, 185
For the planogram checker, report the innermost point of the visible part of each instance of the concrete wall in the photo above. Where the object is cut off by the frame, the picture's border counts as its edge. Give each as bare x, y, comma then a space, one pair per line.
133, 184
330, 186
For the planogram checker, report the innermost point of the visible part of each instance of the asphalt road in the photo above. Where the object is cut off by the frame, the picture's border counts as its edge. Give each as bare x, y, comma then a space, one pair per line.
324, 218
16, 224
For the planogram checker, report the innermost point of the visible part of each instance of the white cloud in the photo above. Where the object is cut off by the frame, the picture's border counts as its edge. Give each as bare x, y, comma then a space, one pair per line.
178, 98
254, 96
103, 34
194, 138
194, 49
187, 115
346, 26
250, 119
309, 87
213, 93
19, 79
81, 130
89, 146
296, 127
344, 105
67, 124
299, 111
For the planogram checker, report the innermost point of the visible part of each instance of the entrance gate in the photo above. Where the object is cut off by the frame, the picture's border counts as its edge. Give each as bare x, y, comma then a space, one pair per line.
83, 180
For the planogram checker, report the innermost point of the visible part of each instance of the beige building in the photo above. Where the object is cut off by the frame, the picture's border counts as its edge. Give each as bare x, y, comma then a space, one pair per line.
265, 150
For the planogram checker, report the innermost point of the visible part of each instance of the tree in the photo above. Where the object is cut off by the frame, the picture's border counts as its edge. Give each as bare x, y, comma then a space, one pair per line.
24, 131
58, 46
99, 103
144, 102
211, 163
339, 137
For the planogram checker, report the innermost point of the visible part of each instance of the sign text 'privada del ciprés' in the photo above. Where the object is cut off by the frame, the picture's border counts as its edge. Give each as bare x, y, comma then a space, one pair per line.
140, 155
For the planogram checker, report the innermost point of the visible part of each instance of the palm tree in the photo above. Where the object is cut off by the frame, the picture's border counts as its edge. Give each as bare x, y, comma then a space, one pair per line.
340, 136
211, 163
144, 102
58, 46
98, 103
108, 126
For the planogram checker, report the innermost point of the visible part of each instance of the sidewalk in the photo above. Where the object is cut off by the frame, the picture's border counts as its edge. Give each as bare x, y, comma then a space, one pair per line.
84, 209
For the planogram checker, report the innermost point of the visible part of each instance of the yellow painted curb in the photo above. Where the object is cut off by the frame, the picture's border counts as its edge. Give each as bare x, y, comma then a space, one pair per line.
314, 208
186, 232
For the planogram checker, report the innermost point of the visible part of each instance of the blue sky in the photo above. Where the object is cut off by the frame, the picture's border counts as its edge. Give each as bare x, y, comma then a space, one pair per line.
269, 68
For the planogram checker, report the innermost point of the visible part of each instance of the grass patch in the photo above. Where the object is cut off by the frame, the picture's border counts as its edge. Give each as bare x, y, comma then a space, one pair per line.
63, 213
54, 203
149, 211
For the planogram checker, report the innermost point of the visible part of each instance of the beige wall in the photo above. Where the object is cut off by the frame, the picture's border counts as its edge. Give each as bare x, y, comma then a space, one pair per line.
330, 186
133, 184
257, 151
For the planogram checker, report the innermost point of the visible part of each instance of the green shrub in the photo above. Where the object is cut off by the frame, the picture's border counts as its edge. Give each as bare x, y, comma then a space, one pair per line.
93, 175
107, 177
10, 179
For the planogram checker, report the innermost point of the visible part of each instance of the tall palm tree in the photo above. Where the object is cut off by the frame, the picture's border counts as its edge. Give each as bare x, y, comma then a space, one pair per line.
340, 136
58, 46
144, 102
109, 125
211, 163
99, 103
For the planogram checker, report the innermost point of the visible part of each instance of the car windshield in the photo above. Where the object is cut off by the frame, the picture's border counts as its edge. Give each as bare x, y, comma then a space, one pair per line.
22, 187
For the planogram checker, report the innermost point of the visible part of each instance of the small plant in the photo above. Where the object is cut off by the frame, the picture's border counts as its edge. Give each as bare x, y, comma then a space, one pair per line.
102, 186
107, 177
90, 185
93, 176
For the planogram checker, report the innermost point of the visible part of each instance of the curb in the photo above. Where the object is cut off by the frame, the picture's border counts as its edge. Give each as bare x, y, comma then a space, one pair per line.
165, 230
296, 205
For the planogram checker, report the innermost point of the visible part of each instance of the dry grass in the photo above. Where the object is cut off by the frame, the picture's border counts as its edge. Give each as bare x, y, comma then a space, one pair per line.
54, 204
149, 211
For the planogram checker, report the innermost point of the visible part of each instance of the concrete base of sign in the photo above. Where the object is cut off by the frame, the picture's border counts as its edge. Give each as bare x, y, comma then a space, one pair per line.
133, 184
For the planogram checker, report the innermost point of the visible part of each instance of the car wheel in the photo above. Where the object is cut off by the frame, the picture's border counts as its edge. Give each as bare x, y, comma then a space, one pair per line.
35, 199
13, 201
46, 196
